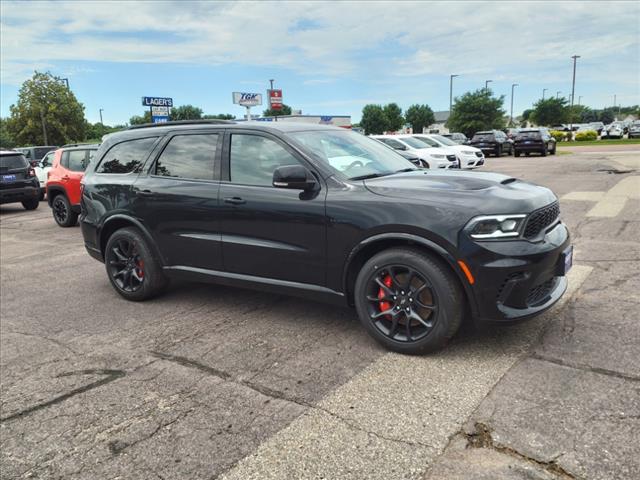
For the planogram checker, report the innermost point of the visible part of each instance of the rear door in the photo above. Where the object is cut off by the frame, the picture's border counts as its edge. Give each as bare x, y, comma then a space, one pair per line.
177, 199
73, 163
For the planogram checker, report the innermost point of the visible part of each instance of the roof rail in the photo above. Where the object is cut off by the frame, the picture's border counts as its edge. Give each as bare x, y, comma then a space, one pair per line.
182, 122
69, 145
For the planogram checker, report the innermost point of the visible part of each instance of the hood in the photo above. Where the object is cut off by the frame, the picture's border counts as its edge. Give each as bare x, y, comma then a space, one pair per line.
480, 193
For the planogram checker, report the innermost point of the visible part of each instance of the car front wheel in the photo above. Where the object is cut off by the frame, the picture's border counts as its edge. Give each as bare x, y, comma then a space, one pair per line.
408, 301
62, 213
133, 270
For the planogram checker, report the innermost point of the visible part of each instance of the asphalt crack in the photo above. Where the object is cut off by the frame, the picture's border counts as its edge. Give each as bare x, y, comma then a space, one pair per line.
481, 437
585, 368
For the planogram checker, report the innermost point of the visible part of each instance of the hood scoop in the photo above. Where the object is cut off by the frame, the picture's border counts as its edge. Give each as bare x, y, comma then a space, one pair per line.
507, 181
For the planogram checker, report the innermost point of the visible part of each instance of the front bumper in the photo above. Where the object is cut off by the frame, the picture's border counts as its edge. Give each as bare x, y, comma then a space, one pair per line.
517, 279
470, 161
21, 194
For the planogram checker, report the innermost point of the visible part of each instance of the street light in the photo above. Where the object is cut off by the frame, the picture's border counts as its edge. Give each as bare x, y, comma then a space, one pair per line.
66, 80
486, 84
451, 92
514, 85
544, 90
579, 99
573, 92
101, 123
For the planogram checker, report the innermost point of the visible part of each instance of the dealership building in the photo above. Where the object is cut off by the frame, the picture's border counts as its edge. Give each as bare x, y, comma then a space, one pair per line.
343, 121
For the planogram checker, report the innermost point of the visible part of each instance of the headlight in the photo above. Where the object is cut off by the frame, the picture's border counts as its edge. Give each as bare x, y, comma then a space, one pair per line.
436, 155
496, 226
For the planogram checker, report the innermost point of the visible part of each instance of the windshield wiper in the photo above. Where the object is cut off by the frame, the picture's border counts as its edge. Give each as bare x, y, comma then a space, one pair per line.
406, 170
370, 175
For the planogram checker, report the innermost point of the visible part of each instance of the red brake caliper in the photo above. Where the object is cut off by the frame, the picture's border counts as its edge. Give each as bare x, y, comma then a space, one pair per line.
140, 265
385, 305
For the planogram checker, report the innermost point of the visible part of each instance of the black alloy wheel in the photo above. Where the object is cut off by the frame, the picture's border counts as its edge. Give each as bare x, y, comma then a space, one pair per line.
126, 267
62, 213
409, 301
402, 303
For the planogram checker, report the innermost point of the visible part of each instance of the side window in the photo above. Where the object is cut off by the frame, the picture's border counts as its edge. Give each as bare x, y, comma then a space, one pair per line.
188, 156
126, 157
64, 161
76, 160
254, 159
47, 161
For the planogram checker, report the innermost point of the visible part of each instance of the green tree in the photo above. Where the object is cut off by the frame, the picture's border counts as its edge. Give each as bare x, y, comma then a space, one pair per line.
393, 116
373, 119
140, 119
47, 113
608, 115
419, 117
185, 112
220, 116
270, 112
550, 111
476, 111
6, 137
95, 131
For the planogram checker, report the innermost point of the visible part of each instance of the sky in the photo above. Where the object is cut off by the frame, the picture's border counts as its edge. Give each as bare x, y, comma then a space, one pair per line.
329, 58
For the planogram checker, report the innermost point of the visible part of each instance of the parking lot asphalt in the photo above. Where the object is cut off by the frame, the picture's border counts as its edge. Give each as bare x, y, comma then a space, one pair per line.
212, 382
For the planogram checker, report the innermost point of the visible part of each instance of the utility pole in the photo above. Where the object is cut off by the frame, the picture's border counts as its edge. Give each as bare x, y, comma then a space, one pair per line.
451, 92
101, 116
511, 115
271, 80
573, 92
486, 84
579, 99
44, 127
558, 94
544, 90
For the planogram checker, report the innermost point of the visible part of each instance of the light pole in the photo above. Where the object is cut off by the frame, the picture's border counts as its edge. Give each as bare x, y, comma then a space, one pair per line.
66, 81
513, 85
451, 92
558, 94
544, 90
101, 116
486, 84
573, 92
579, 99
271, 82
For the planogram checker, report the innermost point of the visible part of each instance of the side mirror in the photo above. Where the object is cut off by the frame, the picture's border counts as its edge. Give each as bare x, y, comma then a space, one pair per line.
295, 177
403, 147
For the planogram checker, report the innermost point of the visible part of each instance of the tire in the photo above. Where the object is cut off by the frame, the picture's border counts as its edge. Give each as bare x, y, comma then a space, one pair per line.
445, 302
41, 194
526, 154
499, 151
543, 153
31, 204
62, 214
133, 269
553, 151
517, 154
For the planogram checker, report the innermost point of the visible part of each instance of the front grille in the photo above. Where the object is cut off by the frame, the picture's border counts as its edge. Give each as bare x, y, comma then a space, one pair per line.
540, 292
451, 158
541, 219
479, 154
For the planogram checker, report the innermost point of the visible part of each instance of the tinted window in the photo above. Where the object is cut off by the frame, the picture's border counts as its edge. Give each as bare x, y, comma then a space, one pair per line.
126, 157
429, 142
392, 143
42, 151
483, 137
188, 156
9, 162
76, 160
47, 161
253, 159
414, 143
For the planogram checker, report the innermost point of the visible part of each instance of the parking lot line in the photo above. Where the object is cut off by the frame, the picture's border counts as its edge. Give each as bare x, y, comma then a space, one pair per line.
613, 202
395, 417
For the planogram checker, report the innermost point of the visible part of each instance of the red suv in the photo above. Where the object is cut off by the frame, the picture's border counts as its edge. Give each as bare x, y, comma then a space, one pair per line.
63, 181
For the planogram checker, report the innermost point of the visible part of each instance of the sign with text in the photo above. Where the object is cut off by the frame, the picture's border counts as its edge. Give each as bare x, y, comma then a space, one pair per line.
275, 99
157, 102
159, 114
247, 99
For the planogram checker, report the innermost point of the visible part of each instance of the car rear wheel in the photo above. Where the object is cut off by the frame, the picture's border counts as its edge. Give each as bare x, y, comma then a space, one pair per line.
553, 150
516, 153
543, 152
133, 270
408, 301
62, 214
499, 151
31, 204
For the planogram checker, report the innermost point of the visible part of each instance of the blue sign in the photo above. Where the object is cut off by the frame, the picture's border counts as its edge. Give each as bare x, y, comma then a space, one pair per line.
155, 119
157, 102
261, 119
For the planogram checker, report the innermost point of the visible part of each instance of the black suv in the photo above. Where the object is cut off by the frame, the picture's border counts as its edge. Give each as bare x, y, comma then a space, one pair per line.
325, 213
536, 140
492, 142
18, 181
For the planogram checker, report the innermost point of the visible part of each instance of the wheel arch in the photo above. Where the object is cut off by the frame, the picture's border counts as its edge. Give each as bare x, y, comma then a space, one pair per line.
53, 191
373, 245
118, 221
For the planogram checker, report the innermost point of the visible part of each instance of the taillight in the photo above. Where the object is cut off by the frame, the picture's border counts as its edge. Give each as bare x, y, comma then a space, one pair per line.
32, 172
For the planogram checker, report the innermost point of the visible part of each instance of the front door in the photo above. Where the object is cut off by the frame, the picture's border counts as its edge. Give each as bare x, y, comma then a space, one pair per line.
178, 200
267, 231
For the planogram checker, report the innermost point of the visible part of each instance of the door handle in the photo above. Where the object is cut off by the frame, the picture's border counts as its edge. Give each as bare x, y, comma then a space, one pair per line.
144, 193
234, 200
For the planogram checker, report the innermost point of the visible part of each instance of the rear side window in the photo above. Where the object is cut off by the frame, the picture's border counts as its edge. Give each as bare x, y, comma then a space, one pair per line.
126, 157
10, 162
74, 160
188, 156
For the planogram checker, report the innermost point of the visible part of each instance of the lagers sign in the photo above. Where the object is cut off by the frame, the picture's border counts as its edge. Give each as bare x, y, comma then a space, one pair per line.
159, 108
247, 99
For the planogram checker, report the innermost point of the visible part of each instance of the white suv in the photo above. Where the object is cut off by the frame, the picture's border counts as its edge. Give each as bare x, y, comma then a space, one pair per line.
431, 157
470, 157
42, 170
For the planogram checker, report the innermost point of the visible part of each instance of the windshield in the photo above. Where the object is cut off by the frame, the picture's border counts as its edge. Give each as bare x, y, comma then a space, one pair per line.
414, 142
428, 142
351, 154
444, 140
40, 152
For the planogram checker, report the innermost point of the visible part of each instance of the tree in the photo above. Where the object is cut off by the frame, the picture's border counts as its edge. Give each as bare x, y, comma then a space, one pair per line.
220, 116
550, 111
6, 138
373, 119
608, 115
140, 119
476, 111
185, 112
419, 117
393, 117
47, 113
96, 131
270, 112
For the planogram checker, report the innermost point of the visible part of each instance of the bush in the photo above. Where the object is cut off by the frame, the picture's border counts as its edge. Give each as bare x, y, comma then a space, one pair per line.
558, 135
586, 136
